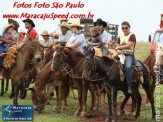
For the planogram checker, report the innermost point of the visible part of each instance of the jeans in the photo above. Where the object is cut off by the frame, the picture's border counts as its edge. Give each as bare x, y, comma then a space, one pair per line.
129, 60
2, 49
89, 49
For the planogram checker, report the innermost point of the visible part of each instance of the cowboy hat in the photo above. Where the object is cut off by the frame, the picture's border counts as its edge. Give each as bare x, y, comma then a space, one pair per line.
15, 23
44, 33
75, 23
29, 21
64, 24
6, 27
100, 21
63, 19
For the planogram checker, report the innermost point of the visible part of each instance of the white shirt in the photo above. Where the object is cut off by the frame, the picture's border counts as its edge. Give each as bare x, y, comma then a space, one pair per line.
109, 36
65, 37
77, 37
104, 37
50, 40
161, 39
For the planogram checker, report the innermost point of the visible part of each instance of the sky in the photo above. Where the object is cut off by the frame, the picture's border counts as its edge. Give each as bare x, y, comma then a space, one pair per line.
143, 15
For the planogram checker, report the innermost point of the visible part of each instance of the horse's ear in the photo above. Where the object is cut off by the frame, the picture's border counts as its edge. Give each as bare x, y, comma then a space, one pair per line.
31, 89
92, 52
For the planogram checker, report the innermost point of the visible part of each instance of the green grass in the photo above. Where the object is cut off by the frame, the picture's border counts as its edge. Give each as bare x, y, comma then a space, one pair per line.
142, 50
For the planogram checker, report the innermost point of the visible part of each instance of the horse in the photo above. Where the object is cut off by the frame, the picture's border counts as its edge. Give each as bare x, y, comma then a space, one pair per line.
30, 49
46, 76
64, 56
109, 70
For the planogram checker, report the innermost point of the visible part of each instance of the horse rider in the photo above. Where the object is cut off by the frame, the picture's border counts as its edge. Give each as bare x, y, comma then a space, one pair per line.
65, 34
100, 25
29, 25
47, 40
126, 45
77, 39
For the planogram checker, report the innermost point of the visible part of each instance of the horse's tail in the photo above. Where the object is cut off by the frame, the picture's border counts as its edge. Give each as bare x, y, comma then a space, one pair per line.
144, 68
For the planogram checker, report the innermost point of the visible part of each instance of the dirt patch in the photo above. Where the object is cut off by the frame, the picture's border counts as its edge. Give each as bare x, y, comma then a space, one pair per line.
100, 116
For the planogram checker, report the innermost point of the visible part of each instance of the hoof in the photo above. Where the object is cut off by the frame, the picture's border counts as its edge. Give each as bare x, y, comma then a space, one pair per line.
11, 96
122, 112
55, 109
107, 120
135, 117
130, 114
63, 109
76, 114
83, 114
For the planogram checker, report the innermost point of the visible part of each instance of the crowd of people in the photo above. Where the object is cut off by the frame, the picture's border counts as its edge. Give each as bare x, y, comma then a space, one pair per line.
72, 36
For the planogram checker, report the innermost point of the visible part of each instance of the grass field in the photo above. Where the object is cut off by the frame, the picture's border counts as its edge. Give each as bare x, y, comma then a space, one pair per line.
142, 50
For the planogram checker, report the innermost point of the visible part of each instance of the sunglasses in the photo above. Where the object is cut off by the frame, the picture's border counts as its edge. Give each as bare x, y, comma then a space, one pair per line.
125, 28
98, 24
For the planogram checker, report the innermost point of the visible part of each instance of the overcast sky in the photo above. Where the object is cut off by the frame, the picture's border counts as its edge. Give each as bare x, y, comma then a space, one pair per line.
143, 15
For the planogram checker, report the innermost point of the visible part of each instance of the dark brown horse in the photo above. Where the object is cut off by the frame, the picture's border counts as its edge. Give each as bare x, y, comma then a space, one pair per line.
45, 77
109, 70
150, 62
64, 56
30, 49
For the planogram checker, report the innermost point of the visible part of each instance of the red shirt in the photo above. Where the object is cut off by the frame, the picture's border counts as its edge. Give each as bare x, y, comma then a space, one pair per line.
32, 33
132, 38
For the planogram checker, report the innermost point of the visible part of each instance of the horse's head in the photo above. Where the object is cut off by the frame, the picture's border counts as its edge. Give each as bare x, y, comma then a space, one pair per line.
59, 58
89, 67
38, 99
37, 50
48, 54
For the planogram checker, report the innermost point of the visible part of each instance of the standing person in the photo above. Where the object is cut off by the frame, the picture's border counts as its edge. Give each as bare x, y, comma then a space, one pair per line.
65, 34
100, 25
126, 45
107, 29
77, 39
15, 29
56, 33
29, 25
45, 35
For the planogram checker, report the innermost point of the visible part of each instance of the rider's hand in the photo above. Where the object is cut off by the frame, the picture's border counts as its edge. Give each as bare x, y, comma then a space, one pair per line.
119, 52
10, 42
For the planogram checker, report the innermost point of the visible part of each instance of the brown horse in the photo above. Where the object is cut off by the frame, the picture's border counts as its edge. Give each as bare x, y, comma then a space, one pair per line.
45, 77
30, 49
150, 62
65, 55
109, 70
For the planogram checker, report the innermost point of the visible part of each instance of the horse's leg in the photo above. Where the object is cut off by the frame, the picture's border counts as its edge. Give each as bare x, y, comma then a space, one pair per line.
12, 91
127, 96
57, 98
60, 94
79, 88
92, 91
85, 85
6, 88
2, 89
150, 96
109, 105
98, 97
139, 99
114, 104
16, 91
66, 92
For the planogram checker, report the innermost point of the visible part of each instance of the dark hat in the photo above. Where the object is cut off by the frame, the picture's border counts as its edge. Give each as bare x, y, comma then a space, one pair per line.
29, 21
108, 27
100, 21
15, 23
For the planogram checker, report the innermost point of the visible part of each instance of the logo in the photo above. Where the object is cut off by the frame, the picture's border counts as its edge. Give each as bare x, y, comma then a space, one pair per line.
17, 112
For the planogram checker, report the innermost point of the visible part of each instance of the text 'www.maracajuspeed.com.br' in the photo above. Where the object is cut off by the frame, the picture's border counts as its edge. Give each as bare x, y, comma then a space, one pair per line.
48, 16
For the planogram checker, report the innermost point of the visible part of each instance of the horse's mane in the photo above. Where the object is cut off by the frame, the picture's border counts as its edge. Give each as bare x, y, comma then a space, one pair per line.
76, 52
108, 58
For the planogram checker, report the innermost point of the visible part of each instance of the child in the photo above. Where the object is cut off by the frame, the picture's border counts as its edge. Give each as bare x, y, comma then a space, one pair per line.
8, 35
95, 40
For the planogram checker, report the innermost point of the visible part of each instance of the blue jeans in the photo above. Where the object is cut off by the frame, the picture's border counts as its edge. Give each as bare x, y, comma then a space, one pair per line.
89, 49
129, 60
2, 49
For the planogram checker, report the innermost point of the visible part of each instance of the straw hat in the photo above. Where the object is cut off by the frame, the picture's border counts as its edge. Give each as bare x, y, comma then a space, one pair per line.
75, 23
7, 26
63, 19
15, 23
64, 24
44, 33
